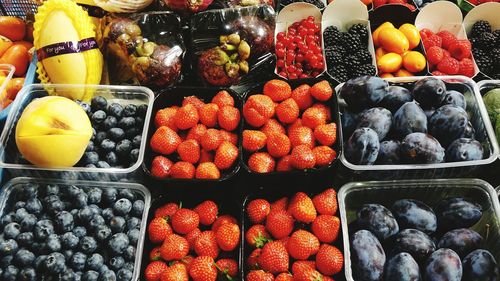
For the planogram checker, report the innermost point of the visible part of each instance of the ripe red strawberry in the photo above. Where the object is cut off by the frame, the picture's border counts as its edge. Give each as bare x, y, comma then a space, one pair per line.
324, 155
277, 90
280, 204
165, 140
326, 134
252, 261
257, 235
161, 167
167, 210
227, 267
223, 220
189, 151
203, 269
206, 244
207, 211
278, 145
208, 114
185, 221
432, 40
302, 244
193, 100
176, 272
228, 237
228, 118
206, 156
279, 223
449, 66
287, 111
259, 275
272, 126
447, 37
307, 274
261, 162
186, 117
196, 133
326, 228
434, 54
466, 67
322, 91
258, 109
253, 140
425, 33
211, 139
284, 277
302, 157
226, 155
274, 258
257, 210
187, 261
223, 98
324, 109
313, 117
158, 229
154, 270
460, 49
166, 117
329, 260
174, 247
192, 236
302, 96
207, 170
182, 170
301, 135
154, 255
302, 265
284, 241
228, 136
326, 202
301, 207
284, 164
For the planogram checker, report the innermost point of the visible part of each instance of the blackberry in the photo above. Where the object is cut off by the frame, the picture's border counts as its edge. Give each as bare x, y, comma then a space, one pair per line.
361, 31
364, 56
487, 41
332, 36
478, 53
333, 58
339, 72
484, 64
480, 27
497, 35
495, 54
352, 63
366, 69
351, 43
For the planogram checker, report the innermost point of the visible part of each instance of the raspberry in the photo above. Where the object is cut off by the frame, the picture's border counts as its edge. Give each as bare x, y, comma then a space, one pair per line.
449, 66
446, 54
378, 3
432, 40
434, 54
425, 33
461, 49
466, 67
447, 37
438, 73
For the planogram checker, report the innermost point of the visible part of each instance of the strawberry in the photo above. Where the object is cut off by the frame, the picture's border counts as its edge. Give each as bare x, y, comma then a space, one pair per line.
203, 269
166, 117
253, 140
223, 220
301, 135
228, 136
182, 170
206, 244
302, 265
321, 91
302, 157
301, 207
326, 202
302, 96
257, 236
227, 267
174, 247
165, 141
186, 117
257, 210
192, 236
154, 270
196, 133
154, 255
185, 221
466, 67
278, 145
284, 277
228, 237
229, 118
279, 223
207, 170
167, 210
284, 241
187, 261
277, 90
274, 258
326, 134
307, 274
449, 66
211, 139
226, 155
327, 278
313, 117
223, 98
259, 275
176, 272
280, 204
208, 114
287, 111
193, 100
158, 229
284, 164
261, 162
258, 109
296, 124
207, 211
272, 126
326, 228
253, 259
302, 244
324, 155
329, 260
206, 156
324, 109
189, 151
161, 167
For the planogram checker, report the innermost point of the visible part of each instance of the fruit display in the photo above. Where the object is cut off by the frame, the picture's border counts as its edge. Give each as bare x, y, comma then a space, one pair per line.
492, 101
292, 238
199, 243
446, 54
424, 123
197, 140
347, 54
486, 48
299, 50
286, 130
397, 50
60, 231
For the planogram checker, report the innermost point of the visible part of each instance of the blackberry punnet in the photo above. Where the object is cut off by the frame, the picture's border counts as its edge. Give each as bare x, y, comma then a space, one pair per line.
480, 27
364, 56
487, 41
366, 69
333, 58
332, 36
339, 72
361, 31
351, 43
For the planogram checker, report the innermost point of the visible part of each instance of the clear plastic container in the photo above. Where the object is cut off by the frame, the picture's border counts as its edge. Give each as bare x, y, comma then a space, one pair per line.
477, 116
484, 87
353, 195
9, 70
12, 161
12, 187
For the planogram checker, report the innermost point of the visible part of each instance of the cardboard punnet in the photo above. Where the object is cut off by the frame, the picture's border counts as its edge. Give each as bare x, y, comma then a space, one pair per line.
335, 15
293, 13
443, 15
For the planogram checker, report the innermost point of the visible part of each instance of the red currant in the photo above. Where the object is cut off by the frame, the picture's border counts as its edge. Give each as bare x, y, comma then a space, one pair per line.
282, 74
311, 31
320, 65
280, 45
316, 49
286, 41
291, 69
303, 31
280, 36
292, 76
280, 53
303, 75
280, 63
299, 58
310, 39
309, 55
298, 71
313, 59
297, 39
314, 73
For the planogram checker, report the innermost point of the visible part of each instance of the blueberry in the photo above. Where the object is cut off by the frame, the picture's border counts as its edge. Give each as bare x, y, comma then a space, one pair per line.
98, 103
28, 222
134, 155
109, 122
6, 261
129, 266
103, 268
118, 243
34, 206
20, 214
133, 236
96, 221
10, 273
109, 195
68, 254
43, 229
95, 209
117, 224
130, 133
27, 274
25, 238
136, 142
142, 110
73, 191
78, 261
30, 190
90, 166
90, 147
86, 107
98, 117
111, 158
138, 208
116, 134
139, 122
129, 253
68, 275
19, 205
80, 231
90, 275
126, 122
52, 189
81, 199
107, 214
133, 223
103, 165
8, 218
124, 275
54, 243
100, 137
24, 258
40, 262
108, 145
94, 133
53, 204
123, 147
94, 196
64, 221
126, 193
130, 110
69, 240
107, 276
12, 230
116, 262
90, 158
88, 244
122, 207
85, 214
55, 263
115, 109
102, 233
95, 262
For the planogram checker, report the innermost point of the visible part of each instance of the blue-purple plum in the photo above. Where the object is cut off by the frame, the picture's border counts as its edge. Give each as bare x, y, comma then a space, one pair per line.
480, 265
414, 214
443, 265
464, 149
454, 98
377, 219
462, 241
402, 267
367, 256
389, 153
362, 147
420, 148
448, 123
409, 118
364, 92
418, 244
396, 96
429, 92
453, 213
378, 118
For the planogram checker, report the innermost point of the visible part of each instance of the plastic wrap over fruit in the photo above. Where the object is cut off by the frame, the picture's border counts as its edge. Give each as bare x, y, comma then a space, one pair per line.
122, 6
187, 7
144, 49
233, 46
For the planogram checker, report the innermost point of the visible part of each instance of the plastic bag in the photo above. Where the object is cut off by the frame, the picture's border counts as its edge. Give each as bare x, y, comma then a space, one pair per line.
146, 49
217, 38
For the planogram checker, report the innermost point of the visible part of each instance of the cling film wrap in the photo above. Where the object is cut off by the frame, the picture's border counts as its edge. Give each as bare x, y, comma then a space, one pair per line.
145, 49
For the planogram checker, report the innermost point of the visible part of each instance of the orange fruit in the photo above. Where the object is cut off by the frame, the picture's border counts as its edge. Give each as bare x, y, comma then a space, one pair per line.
411, 33
12, 28
261, 162
258, 109
401, 73
18, 56
278, 145
277, 90
387, 75
393, 40
375, 33
287, 111
379, 53
414, 61
390, 62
